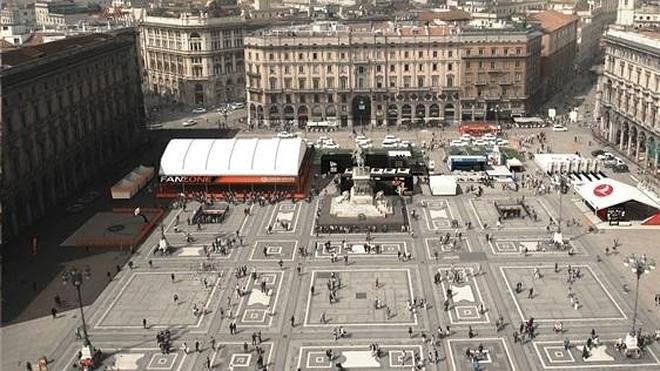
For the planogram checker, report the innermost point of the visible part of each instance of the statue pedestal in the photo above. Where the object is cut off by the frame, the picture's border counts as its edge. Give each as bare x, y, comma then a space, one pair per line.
360, 199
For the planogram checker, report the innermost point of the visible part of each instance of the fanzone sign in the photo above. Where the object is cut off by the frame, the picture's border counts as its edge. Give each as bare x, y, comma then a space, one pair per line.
185, 179
603, 190
227, 179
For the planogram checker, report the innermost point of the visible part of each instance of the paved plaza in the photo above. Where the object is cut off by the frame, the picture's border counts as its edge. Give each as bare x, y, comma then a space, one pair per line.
449, 296
387, 302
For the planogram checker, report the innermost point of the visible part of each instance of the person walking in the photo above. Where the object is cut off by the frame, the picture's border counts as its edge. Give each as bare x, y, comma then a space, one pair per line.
212, 342
172, 277
293, 321
144, 323
53, 312
410, 332
208, 363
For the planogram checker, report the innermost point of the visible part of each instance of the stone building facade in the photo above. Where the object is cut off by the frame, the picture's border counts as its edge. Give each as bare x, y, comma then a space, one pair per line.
386, 76
558, 57
628, 109
70, 109
195, 60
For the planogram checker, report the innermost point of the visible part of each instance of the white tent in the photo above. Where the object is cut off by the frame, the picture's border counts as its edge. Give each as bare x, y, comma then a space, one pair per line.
607, 192
124, 190
443, 185
500, 173
233, 157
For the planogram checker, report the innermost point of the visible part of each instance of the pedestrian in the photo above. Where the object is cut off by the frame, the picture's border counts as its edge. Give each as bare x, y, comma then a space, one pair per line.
293, 321
151, 263
176, 298
556, 267
212, 341
185, 348
410, 331
515, 337
53, 312
208, 363
531, 293
280, 263
28, 366
144, 323
172, 277
470, 332
198, 349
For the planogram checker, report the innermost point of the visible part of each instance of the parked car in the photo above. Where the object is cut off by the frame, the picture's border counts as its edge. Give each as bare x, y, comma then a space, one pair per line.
365, 145
237, 105
559, 128
199, 110
597, 152
360, 139
190, 122
285, 134
620, 168
479, 142
329, 145
457, 143
406, 144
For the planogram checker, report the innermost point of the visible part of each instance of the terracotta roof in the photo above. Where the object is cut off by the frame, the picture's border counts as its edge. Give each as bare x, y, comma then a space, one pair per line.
447, 16
28, 53
551, 20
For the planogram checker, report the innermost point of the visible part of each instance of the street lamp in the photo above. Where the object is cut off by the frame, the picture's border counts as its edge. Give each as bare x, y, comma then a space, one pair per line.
639, 265
76, 278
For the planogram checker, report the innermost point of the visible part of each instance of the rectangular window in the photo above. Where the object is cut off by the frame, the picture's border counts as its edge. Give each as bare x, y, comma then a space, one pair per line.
450, 53
406, 67
314, 56
435, 54
420, 82
450, 66
301, 83
434, 67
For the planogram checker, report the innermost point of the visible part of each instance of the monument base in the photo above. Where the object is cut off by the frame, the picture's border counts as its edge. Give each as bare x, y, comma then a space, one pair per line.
359, 218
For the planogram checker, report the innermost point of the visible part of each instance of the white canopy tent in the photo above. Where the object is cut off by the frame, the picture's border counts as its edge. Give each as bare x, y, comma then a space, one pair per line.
443, 185
124, 190
233, 157
131, 183
500, 173
607, 192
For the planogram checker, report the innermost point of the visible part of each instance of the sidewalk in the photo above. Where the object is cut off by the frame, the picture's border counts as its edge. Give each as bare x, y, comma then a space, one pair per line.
27, 341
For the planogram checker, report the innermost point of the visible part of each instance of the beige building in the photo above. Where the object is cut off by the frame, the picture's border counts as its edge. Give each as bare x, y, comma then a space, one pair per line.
71, 109
629, 95
381, 74
193, 59
594, 18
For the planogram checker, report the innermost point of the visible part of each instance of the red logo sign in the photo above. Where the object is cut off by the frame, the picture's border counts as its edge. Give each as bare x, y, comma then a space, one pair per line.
603, 190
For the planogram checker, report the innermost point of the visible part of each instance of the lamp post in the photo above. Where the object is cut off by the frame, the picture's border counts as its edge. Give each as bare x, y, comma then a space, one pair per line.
76, 278
639, 265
